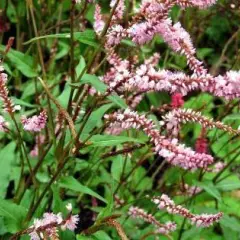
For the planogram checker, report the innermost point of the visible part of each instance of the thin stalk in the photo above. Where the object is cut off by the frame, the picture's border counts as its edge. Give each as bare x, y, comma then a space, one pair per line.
43, 70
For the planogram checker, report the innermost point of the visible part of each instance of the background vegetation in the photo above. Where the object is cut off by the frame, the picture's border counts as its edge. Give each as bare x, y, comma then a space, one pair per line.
99, 180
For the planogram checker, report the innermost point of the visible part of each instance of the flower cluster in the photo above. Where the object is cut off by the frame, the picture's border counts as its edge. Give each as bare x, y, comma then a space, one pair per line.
98, 23
35, 123
116, 32
166, 228
7, 102
151, 19
145, 78
119, 11
177, 116
49, 224
156, 21
203, 220
175, 153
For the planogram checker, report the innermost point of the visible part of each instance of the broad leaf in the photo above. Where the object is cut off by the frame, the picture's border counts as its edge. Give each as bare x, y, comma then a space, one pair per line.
13, 215
72, 184
209, 187
7, 157
95, 118
109, 140
230, 184
24, 63
230, 222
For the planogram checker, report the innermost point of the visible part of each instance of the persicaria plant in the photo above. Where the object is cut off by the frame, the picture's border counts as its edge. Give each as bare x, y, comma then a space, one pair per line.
113, 125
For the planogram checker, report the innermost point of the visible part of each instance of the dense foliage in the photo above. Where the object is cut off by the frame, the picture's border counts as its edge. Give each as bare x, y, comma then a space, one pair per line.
119, 119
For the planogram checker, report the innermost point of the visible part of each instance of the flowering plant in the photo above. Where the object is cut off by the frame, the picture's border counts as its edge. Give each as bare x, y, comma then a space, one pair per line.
112, 120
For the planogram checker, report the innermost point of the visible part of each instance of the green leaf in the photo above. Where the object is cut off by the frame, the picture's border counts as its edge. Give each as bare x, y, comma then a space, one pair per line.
88, 37
58, 204
95, 119
81, 237
94, 81
230, 222
80, 67
101, 235
234, 116
24, 63
64, 50
23, 103
109, 140
229, 184
209, 187
191, 233
204, 52
72, 184
7, 157
118, 101
117, 167
107, 211
13, 215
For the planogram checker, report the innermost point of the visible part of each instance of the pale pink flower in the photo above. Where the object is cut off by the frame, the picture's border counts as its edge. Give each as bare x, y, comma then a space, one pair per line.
173, 118
98, 21
136, 212
197, 3
115, 34
142, 33
71, 222
7, 102
34, 235
227, 86
49, 224
170, 149
118, 14
35, 123
206, 220
203, 220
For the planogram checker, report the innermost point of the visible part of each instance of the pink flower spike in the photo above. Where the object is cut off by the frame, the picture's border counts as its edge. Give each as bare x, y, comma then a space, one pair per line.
203, 220
98, 23
35, 123
166, 228
118, 14
196, 3
71, 222
175, 153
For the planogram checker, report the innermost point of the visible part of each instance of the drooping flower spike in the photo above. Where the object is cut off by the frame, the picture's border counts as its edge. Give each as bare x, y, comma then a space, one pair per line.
165, 229
203, 220
175, 153
178, 116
